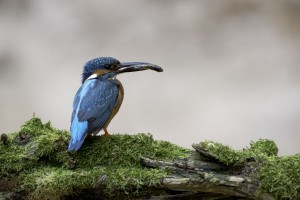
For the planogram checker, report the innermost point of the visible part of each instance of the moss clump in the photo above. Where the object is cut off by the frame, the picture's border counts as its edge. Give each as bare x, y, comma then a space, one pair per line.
54, 183
13, 159
263, 146
45, 140
258, 151
35, 142
121, 150
37, 156
280, 176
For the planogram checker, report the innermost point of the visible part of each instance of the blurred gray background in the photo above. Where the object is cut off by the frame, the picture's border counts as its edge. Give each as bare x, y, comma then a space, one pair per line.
231, 67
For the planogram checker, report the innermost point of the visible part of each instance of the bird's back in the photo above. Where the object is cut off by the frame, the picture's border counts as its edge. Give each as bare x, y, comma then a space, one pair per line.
92, 106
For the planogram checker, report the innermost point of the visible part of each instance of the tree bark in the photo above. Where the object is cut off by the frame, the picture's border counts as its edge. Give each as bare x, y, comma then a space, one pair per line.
202, 176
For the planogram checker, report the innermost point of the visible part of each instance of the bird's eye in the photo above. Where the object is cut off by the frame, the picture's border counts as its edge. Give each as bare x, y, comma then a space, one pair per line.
114, 67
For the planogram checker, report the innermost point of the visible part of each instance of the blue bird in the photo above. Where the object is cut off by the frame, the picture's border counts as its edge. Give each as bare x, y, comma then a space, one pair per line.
100, 96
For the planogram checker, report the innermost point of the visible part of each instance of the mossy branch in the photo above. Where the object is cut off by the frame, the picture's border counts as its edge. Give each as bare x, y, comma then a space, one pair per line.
34, 164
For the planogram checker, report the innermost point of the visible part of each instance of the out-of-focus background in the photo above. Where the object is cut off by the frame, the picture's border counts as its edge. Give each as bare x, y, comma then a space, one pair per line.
231, 67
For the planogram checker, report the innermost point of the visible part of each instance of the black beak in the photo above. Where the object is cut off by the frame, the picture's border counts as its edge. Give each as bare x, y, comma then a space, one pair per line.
137, 66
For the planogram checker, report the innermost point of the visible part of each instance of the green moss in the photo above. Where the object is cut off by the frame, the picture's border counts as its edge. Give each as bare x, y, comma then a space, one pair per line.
259, 151
224, 153
125, 150
263, 146
26, 148
54, 183
46, 140
280, 176
13, 159
37, 155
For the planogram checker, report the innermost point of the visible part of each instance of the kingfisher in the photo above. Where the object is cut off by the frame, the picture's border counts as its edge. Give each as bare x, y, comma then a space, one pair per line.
100, 96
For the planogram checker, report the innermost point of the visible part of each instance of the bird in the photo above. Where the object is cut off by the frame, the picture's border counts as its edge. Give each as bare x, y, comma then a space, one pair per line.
99, 97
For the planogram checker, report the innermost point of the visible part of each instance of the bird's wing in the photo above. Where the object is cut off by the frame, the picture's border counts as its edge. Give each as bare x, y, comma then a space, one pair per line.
93, 104
98, 102
76, 103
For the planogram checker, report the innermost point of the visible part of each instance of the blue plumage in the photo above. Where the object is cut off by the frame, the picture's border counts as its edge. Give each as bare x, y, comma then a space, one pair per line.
98, 63
93, 104
100, 96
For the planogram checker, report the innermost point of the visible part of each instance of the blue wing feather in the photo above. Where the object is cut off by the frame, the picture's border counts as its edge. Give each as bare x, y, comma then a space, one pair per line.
92, 106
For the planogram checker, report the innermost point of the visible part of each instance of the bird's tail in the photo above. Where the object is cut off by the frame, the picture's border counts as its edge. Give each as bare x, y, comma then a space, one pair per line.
78, 133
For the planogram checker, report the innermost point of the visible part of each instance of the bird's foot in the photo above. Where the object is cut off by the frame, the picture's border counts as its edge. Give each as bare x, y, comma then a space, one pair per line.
105, 134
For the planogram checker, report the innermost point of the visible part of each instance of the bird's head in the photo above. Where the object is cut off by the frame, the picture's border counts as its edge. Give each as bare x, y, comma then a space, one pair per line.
103, 65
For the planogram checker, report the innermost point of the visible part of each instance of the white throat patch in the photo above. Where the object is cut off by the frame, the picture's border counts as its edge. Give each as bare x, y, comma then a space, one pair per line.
92, 76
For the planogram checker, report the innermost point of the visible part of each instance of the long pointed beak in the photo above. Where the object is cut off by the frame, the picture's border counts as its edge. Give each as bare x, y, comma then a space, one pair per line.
137, 66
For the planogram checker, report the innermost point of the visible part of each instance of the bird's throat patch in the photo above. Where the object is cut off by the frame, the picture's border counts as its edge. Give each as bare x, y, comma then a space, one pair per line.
98, 73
